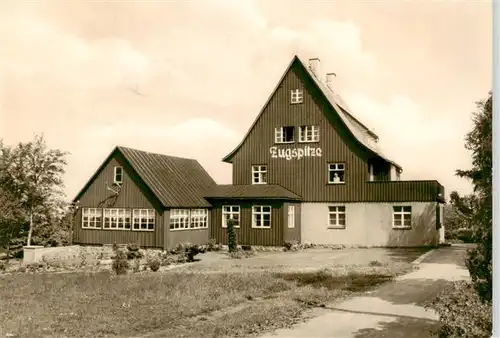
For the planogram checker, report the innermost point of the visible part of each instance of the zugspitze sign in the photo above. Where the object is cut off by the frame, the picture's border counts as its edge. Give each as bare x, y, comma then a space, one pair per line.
295, 153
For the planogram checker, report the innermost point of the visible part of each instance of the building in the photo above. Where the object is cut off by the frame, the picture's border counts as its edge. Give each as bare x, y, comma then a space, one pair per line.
143, 198
306, 170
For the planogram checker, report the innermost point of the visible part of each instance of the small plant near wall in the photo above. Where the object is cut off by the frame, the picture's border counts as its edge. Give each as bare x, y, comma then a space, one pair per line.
133, 252
231, 236
120, 263
154, 264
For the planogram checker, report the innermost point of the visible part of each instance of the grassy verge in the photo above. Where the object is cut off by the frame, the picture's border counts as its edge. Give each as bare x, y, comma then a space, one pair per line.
461, 312
174, 304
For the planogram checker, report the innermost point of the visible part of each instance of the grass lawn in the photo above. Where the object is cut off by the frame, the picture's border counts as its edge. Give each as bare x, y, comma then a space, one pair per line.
173, 304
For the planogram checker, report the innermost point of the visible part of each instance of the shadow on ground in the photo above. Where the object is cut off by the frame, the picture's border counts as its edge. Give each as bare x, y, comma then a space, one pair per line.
401, 328
407, 255
412, 291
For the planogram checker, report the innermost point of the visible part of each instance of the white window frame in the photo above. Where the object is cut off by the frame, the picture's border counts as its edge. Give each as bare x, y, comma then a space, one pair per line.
259, 169
138, 216
228, 212
198, 219
117, 218
336, 167
308, 134
120, 174
260, 210
336, 210
401, 210
180, 217
296, 96
279, 135
95, 222
291, 217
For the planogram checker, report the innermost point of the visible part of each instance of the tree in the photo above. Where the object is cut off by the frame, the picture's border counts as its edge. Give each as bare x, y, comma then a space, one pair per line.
479, 142
12, 219
33, 174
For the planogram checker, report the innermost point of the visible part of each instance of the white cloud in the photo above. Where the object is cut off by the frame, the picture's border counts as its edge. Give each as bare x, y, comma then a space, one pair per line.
39, 48
227, 55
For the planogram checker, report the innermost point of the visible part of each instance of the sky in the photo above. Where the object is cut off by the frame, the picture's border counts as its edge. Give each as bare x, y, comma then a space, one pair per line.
188, 78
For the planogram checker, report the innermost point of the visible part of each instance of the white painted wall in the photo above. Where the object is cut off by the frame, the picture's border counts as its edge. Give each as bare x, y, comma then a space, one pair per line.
370, 224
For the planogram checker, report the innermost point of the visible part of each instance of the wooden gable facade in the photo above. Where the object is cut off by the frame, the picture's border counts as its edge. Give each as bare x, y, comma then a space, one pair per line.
133, 211
303, 167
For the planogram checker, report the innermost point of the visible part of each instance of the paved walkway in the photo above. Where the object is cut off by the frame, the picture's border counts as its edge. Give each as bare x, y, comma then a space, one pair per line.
394, 309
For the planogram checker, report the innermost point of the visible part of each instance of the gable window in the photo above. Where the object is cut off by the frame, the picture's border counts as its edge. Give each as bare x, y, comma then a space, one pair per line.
199, 219
336, 173
401, 217
261, 217
144, 219
116, 219
91, 218
179, 219
118, 176
231, 212
309, 134
259, 174
284, 134
297, 96
336, 217
291, 216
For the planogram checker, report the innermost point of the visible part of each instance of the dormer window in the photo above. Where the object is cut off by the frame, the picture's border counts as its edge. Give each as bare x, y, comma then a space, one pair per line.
297, 96
118, 177
284, 134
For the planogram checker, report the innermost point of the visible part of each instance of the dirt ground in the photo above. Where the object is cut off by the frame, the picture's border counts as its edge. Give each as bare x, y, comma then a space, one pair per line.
310, 259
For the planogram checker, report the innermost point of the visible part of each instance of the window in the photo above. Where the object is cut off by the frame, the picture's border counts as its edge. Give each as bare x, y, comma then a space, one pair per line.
336, 173
179, 219
144, 219
199, 219
231, 212
259, 174
91, 218
284, 134
291, 216
297, 96
336, 217
116, 219
401, 217
309, 134
261, 216
118, 175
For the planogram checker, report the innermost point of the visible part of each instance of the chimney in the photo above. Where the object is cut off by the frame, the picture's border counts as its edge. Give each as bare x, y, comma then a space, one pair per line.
330, 80
314, 66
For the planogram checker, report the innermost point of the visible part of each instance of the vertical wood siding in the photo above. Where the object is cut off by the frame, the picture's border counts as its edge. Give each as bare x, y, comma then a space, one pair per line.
308, 176
133, 194
246, 235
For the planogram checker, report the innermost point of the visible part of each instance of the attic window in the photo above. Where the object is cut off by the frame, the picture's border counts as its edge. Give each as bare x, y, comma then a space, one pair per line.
118, 178
284, 134
297, 96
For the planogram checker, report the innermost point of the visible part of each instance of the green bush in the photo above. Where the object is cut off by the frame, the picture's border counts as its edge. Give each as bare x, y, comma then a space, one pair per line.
462, 313
464, 235
133, 252
120, 263
154, 264
187, 251
291, 245
231, 236
212, 245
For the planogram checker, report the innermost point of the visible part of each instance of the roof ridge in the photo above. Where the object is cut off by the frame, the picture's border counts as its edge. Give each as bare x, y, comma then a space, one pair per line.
156, 153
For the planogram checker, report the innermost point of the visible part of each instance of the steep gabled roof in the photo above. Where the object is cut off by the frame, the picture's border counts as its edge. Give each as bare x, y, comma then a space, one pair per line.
174, 181
361, 133
255, 191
